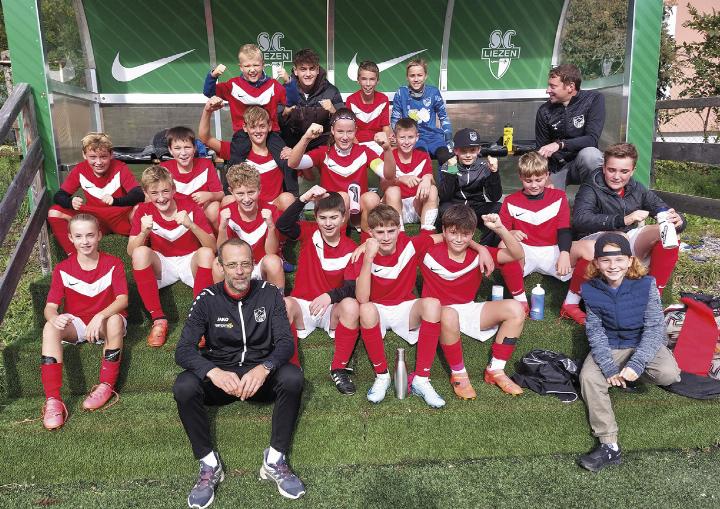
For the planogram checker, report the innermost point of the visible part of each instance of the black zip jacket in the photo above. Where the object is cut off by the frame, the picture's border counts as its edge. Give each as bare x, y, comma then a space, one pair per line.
578, 125
244, 332
472, 184
598, 208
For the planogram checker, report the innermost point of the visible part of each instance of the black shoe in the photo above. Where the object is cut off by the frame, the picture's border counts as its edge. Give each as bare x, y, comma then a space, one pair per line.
602, 456
342, 380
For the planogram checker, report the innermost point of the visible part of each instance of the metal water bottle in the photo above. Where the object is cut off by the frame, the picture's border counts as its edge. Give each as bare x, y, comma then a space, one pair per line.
668, 235
508, 138
537, 303
401, 376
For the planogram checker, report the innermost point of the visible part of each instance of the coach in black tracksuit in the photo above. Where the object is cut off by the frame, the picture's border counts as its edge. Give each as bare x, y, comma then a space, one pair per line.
248, 345
568, 127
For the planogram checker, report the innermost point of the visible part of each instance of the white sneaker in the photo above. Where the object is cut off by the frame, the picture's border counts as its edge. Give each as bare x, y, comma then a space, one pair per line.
379, 388
421, 387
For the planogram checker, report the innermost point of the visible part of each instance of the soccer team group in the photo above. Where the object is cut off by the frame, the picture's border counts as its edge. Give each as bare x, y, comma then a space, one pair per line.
240, 340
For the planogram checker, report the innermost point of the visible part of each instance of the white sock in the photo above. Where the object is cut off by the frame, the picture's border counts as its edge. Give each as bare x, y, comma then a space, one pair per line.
385, 375
402, 223
273, 456
497, 364
572, 298
463, 370
428, 221
210, 460
614, 446
520, 297
421, 379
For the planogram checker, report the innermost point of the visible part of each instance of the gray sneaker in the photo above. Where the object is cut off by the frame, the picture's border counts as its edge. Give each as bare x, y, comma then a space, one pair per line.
289, 485
203, 493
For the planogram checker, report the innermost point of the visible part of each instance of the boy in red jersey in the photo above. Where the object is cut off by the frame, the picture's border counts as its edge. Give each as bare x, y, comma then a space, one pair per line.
110, 190
195, 178
451, 274
251, 88
386, 278
371, 108
410, 190
92, 288
257, 126
254, 222
343, 164
324, 292
181, 246
539, 218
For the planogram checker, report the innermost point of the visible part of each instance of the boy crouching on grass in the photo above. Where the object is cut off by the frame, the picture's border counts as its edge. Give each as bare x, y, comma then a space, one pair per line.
182, 246
92, 288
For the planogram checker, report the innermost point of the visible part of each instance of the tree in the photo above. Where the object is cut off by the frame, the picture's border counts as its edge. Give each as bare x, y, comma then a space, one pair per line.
667, 68
701, 60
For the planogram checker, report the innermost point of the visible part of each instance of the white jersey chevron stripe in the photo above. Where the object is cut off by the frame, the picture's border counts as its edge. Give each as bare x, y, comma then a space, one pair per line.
346, 171
83, 287
535, 217
444, 273
393, 271
188, 188
99, 192
170, 235
247, 99
249, 237
264, 167
329, 264
414, 172
367, 117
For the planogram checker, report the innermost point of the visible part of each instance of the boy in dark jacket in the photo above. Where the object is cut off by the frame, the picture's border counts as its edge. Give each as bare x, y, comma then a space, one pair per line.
467, 180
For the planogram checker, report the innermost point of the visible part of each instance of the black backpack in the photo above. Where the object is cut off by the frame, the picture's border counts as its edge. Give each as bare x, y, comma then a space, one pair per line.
547, 372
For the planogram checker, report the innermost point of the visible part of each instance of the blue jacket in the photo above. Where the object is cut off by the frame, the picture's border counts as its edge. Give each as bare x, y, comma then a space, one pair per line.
424, 111
632, 317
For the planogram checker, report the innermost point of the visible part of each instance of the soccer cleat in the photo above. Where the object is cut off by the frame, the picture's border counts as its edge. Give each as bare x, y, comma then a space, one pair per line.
426, 392
379, 388
573, 312
343, 382
499, 378
99, 395
203, 493
602, 456
289, 485
461, 385
158, 333
54, 413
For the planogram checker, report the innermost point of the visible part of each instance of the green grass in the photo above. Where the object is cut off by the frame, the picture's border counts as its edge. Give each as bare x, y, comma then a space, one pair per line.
688, 178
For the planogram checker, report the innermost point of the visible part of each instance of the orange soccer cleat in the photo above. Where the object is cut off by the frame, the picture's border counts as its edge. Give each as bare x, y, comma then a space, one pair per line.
158, 334
573, 312
461, 385
499, 378
54, 413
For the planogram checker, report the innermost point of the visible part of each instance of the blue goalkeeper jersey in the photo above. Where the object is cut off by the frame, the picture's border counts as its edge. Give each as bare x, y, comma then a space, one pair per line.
424, 111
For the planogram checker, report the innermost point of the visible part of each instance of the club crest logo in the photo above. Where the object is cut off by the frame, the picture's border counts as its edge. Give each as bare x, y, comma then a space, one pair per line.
579, 121
272, 49
260, 315
501, 52
473, 136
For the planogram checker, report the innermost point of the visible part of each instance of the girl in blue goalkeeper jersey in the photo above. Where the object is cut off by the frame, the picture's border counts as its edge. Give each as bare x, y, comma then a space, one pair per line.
424, 104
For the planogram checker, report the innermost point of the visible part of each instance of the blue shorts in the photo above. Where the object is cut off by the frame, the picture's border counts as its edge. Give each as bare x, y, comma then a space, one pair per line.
431, 144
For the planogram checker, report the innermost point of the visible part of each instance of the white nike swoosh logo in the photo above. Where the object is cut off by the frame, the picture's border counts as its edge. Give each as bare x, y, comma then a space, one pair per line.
122, 73
353, 67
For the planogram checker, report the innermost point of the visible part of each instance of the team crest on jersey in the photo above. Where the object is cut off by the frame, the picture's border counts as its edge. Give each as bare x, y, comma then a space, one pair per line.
427, 102
579, 121
274, 53
501, 53
260, 315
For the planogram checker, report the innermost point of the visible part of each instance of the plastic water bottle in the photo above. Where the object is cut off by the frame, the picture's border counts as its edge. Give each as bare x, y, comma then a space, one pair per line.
508, 138
354, 194
498, 292
401, 375
537, 303
668, 235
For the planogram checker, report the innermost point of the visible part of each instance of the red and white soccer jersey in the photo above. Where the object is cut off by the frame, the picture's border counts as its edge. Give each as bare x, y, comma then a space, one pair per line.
271, 175
539, 219
449, 281
253, 232
321, 267
338, 172
202, 177
370, 118
167, 236
116, 182
240, 94
419, 166
392, 277
87, 292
